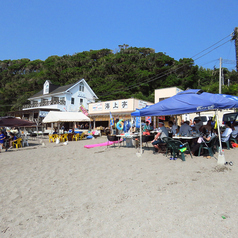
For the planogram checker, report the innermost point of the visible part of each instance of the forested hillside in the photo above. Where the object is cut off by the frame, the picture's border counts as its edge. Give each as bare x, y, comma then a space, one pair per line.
130, 72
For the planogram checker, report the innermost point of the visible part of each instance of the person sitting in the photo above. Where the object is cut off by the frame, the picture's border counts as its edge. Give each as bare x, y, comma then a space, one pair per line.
208, 127
234, 128
147, 128
197, 124
205, 137
174, 129
55, 132
225, 136
13, 138
185, 129
162, 132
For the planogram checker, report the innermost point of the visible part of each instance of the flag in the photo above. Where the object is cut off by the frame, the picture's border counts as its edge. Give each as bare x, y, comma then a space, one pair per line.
214, 122
111, 120
83, 110
137, 122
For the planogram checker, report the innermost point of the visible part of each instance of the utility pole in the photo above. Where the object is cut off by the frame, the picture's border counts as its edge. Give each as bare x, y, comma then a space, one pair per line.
236, 46
220, 75
235, 38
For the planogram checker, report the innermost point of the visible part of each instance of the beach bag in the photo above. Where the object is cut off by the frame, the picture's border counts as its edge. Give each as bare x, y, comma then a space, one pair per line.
200, 140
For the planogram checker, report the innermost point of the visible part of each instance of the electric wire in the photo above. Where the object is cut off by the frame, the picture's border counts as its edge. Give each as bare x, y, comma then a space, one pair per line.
169, 71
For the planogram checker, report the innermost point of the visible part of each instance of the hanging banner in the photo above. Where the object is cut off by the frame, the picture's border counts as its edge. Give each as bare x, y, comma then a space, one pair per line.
83, 110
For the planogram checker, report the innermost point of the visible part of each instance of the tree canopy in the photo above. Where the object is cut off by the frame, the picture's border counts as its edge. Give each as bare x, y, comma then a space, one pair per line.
129, 72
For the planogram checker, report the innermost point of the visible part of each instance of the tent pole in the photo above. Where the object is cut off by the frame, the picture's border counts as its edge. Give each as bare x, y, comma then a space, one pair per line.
218, 128
140, 138
221, 157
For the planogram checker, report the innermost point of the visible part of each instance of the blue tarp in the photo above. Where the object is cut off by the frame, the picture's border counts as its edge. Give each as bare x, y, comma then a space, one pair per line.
189, 101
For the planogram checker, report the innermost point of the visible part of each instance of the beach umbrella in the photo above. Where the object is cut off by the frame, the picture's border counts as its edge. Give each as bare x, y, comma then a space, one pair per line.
15, 122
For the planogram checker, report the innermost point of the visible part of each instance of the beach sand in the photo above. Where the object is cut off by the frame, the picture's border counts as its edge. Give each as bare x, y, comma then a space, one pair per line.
70, 191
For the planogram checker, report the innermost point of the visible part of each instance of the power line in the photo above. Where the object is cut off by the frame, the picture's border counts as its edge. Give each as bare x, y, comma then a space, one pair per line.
211, 46
171, 70
212, 50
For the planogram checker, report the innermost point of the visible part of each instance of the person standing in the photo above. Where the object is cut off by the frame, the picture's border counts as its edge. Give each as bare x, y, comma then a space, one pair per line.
2, 139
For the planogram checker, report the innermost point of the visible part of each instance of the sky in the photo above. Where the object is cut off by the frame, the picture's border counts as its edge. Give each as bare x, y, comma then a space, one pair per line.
38, 29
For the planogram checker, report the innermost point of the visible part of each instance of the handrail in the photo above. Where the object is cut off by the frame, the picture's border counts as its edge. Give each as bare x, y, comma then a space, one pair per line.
46, 103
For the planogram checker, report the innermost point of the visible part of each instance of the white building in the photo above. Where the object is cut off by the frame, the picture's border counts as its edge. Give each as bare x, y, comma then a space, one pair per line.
68, 98
62, 98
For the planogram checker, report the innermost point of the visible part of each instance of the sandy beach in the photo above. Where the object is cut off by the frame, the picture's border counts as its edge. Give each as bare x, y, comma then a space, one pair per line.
70, 191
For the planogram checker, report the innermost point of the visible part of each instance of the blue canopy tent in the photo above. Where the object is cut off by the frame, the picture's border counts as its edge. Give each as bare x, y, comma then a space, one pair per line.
189, 101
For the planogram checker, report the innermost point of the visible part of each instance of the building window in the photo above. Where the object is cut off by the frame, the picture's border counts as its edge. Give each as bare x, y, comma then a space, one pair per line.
81, 101
161, 99
81, 87
72, 100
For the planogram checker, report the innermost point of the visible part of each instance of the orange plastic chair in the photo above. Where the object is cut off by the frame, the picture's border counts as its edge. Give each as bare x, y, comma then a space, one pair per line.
17, 143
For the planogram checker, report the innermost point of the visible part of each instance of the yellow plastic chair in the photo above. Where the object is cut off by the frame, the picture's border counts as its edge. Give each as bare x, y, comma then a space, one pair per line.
76, 136
53, 137
17, 143
81, 136
64, 137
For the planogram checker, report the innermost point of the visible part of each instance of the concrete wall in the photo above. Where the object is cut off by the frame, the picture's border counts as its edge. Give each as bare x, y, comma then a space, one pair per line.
164, 93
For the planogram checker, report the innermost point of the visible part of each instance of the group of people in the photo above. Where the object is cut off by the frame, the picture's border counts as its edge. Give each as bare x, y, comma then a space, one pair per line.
7, 139
207, 132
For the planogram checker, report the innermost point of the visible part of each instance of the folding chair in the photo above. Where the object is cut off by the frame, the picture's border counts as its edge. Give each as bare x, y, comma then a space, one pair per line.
177, 147
209, 145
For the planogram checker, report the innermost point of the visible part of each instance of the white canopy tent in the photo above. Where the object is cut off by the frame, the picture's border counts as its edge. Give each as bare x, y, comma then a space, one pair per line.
53, 116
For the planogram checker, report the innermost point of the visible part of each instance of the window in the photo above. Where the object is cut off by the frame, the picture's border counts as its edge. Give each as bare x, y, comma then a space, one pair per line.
81, 87
81, 101
72, 100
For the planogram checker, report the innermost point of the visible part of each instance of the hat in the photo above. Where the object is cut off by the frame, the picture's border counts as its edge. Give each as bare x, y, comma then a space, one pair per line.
160, 122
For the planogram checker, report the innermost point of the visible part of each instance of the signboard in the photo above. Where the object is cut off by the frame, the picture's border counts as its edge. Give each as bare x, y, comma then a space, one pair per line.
116, 105
97, 107
142, 104
124, 104
107, 106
